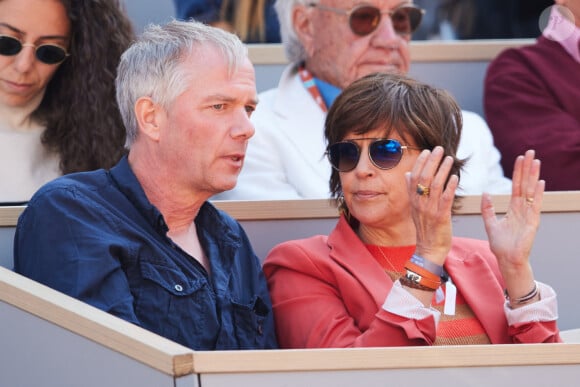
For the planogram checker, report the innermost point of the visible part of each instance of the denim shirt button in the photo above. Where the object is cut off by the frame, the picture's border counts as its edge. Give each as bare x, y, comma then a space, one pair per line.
178, 287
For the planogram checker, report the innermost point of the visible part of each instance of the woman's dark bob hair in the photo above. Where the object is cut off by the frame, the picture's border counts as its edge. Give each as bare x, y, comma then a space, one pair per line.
415, 111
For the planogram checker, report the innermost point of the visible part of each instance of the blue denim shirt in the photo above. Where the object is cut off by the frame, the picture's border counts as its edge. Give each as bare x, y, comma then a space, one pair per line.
96, 237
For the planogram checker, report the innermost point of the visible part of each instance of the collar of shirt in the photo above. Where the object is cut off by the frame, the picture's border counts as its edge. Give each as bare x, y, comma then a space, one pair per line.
208, 219
563, 31
327, 91
128, 184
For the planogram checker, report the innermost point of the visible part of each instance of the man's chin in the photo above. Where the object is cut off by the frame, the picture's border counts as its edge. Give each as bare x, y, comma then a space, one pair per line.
228, 185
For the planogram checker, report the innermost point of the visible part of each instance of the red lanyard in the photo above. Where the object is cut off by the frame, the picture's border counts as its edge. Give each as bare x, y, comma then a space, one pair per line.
310, 85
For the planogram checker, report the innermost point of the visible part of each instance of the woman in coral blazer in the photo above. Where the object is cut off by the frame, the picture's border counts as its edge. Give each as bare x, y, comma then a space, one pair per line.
390, 273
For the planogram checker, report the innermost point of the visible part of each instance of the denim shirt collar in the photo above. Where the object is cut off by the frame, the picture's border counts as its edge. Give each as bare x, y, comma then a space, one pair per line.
208, 218
127, 182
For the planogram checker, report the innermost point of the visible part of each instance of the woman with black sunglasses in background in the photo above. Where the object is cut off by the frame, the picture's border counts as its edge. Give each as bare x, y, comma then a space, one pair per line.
58, 113
390, 273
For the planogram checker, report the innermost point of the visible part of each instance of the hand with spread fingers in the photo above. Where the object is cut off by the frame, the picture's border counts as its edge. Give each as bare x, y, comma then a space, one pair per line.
511, 237
431, 202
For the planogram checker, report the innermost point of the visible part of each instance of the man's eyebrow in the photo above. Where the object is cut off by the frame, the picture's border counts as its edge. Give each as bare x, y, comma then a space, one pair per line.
218, 97
227, 98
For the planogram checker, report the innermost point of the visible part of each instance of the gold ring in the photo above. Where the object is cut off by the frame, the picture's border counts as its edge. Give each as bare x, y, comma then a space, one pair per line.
422, 190
529, 201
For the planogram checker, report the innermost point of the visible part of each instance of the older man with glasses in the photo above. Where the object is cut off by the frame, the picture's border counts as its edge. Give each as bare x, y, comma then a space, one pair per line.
330, 44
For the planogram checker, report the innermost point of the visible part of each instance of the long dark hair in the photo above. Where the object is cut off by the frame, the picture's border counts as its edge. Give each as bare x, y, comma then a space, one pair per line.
79, 110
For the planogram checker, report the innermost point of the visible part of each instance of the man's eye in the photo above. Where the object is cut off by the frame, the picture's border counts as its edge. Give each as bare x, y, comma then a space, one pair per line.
250, 109
218, 106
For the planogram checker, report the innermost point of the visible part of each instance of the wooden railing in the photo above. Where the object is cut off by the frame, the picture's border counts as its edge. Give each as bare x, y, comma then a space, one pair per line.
421, 51
51, 339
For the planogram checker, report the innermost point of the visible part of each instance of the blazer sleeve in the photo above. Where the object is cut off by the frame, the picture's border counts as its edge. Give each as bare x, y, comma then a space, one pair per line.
310, 309
536, 322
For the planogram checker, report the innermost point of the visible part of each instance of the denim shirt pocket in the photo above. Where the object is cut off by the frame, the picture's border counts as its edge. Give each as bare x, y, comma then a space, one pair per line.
249, 319
172, 304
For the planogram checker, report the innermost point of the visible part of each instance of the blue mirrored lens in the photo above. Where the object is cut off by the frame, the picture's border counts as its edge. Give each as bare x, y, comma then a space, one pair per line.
385, 154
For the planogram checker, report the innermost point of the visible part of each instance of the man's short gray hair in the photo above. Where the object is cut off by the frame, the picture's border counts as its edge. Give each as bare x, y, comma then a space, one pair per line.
151, 66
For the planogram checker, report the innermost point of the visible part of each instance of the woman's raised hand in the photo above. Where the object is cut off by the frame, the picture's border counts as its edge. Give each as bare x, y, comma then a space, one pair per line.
511, 237
431, 203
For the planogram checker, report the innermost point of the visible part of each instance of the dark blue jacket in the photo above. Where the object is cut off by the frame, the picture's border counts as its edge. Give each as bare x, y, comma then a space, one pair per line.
96, 237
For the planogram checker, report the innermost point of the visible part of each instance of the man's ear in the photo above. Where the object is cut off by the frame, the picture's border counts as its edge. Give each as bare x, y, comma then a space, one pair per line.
301, 20
149, 117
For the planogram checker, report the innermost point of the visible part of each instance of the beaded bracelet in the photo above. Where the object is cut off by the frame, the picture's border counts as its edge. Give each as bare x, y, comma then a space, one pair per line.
524, 299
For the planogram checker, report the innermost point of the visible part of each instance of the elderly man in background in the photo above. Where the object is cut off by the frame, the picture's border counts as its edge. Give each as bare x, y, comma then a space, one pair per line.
330, 44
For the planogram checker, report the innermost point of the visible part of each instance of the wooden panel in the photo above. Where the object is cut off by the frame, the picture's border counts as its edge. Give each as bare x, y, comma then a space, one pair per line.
386, 358
94, 324
36, 352
421, 51
561, 201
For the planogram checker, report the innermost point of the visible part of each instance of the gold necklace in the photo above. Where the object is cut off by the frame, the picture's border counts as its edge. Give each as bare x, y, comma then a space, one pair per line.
395, 274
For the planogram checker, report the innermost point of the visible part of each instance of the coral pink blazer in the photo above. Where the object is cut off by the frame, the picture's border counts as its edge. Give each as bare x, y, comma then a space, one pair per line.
329, 292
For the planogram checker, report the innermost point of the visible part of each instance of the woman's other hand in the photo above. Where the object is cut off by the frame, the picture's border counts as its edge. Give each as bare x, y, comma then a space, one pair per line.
511, 237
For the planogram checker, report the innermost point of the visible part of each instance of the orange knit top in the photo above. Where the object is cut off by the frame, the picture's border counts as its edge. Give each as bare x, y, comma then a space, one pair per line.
462, 328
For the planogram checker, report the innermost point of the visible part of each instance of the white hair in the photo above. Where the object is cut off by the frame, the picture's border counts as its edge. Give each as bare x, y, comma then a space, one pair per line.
295, 51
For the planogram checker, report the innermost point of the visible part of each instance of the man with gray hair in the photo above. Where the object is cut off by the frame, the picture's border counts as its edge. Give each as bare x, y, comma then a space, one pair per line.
141, 241
330, 44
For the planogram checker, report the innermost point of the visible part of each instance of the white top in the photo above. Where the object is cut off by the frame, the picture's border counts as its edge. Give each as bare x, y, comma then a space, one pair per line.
285, 158
25, 164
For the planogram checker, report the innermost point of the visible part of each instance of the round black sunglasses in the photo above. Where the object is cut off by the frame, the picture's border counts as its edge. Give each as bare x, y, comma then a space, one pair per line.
45, 53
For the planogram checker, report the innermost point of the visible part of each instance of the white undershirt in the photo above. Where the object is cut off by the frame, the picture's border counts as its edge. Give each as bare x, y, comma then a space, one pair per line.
189, 242
25, 165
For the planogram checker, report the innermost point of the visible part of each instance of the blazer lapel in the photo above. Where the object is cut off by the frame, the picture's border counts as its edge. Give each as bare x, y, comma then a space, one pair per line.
348, 251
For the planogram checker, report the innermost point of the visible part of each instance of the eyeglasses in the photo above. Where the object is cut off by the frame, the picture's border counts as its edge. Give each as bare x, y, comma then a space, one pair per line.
364, 19
46, 53
384, 153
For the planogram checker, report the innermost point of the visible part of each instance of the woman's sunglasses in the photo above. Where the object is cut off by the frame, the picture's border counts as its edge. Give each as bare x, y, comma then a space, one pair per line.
364, 19
46, 53
384, 153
